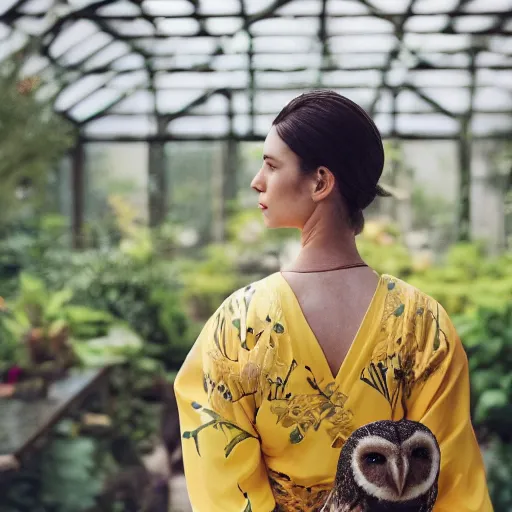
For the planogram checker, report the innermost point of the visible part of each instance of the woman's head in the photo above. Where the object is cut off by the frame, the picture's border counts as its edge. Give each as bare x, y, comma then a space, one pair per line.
321, 145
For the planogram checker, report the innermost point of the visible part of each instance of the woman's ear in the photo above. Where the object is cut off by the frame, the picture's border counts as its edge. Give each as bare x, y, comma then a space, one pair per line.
323, 184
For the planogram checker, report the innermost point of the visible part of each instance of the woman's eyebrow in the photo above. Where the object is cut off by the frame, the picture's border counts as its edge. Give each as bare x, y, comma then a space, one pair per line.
268, 157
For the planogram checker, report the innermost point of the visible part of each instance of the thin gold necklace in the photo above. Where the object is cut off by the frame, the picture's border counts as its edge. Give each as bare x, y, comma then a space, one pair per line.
341, 267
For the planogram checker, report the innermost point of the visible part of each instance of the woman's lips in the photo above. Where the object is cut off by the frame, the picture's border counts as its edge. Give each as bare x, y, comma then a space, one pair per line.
262, 206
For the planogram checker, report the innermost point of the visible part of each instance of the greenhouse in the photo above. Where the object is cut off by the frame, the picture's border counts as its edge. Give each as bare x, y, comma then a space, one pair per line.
130, 133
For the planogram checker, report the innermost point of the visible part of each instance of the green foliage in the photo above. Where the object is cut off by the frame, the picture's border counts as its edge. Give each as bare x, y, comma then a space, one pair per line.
381, 247
431, 211
468, 279
498, 458
70, 476
33, 140
25, 247
11, 350
146, 296
208, 281
37, 307
118, 346
487, 337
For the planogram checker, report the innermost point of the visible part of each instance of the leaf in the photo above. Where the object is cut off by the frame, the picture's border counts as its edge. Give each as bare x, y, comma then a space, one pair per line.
399, 310
296, 436
248, 507
278, 328
489, 400
57, 301
237, 439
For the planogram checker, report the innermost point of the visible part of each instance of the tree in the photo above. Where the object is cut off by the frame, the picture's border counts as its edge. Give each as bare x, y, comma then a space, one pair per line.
33, 139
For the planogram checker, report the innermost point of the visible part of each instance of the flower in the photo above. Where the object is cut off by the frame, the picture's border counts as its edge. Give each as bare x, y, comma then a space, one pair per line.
14, 374
301, 410
291, 496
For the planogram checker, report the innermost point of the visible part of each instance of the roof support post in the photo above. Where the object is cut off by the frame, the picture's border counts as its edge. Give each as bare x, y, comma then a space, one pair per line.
78, 193
158, 186
465, 146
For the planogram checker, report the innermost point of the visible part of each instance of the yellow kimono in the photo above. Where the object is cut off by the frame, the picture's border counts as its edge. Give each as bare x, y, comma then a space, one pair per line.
263, 419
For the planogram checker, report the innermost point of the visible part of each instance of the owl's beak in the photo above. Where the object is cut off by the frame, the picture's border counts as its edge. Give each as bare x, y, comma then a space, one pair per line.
399, 472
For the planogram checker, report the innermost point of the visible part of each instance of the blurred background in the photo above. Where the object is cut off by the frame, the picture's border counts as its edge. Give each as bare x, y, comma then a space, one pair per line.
129, 133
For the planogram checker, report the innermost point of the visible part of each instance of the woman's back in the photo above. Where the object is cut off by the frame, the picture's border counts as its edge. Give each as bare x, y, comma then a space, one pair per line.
334, 305
264, 417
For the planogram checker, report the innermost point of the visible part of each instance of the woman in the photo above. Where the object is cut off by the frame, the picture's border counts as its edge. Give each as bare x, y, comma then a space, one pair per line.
288, 367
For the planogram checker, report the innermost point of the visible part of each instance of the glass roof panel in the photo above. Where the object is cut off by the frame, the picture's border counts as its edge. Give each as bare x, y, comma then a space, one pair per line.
365, 78
4, 31
304, 8
72, 35
15, 42
32, 26
223, 26
174, 8
137, 27
430, 23
129, 62
256, 6
493, 98
37, 6
284, 44
80, 89
140, 102
297, 27
168, 102
377, 44
429, 78
136, 126
177, 26
196, 53
212, 7
216, 125
390, 6
474, 23
487, 124
428, 124
94, 103
346, 8
6, 5
486, 5
88, 48
215, 105
109, 54
134, 79
434, 6
366, 24
278, 79
120, 8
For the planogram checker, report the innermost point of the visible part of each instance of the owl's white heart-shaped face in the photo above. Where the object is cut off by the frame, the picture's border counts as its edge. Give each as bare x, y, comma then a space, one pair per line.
396, 471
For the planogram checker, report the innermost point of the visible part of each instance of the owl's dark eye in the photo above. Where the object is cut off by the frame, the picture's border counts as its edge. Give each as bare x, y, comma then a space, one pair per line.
420, 453
375, 458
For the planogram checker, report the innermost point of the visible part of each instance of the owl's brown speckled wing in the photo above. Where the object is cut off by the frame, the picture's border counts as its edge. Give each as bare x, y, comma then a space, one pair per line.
336, 503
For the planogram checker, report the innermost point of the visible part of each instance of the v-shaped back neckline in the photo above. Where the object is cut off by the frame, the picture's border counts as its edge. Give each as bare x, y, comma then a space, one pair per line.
317, 345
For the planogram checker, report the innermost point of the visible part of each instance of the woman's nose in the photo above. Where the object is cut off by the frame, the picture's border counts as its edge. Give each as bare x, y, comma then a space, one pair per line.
258, 183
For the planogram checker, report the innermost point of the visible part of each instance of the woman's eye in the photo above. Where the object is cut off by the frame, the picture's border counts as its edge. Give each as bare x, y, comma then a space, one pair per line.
270, 166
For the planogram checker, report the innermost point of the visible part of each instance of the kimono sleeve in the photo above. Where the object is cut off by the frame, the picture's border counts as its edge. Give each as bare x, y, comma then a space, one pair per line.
443, 405
224, 467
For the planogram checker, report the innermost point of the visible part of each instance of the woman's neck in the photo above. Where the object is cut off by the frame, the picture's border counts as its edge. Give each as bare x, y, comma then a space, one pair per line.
327, 241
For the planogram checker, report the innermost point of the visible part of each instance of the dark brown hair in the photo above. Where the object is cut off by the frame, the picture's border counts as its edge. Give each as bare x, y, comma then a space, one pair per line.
326, 129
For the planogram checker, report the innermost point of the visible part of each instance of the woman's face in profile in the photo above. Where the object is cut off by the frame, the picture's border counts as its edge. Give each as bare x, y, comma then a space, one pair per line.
284, 190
